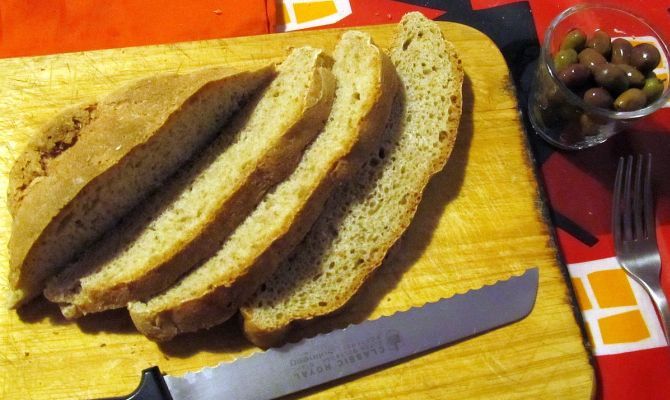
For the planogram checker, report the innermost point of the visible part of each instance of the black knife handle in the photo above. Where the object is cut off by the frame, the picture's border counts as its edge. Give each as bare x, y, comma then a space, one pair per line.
152, 387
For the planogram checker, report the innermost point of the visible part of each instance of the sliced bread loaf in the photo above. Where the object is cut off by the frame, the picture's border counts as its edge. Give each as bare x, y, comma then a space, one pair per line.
212, 293
364, 219
92, 163
186, 221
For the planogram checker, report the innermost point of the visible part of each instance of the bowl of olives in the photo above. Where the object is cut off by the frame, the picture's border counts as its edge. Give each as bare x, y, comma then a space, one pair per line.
600, 70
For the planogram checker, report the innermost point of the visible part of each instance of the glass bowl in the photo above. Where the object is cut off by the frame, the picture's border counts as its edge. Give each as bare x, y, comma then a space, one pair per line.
559, 114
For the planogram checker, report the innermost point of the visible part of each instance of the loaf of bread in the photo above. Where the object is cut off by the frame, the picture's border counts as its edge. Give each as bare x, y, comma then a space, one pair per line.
91, 164
365, 218
186, 221
213, 292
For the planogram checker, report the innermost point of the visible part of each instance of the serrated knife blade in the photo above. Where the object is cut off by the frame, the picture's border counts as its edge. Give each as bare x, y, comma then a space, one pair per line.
327, 357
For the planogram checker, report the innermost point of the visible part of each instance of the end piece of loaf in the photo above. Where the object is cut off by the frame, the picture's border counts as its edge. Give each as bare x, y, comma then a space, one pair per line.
186, 221
92, 163
364, 219
212, 293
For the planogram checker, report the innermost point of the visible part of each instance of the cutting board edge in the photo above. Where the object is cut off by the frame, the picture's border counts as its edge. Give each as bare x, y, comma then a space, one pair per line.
545, 215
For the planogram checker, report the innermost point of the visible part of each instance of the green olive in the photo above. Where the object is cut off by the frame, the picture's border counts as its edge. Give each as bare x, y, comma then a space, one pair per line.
645, 57
575, 39
653, 89
631, 99
635, 77
598, 97
600, 42
564, 58
552, 93
589, 125
574, 75
590, 58
621, 50
610, 77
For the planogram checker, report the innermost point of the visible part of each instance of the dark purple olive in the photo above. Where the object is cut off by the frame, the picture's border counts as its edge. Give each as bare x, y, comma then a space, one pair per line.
575, 39
600, 42
598, 97
590, 57
635, 77
630, 100
645, 57
621, 50
610, 77
574, 76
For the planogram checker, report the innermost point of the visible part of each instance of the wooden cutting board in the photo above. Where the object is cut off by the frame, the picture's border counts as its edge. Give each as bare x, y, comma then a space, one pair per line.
481, 220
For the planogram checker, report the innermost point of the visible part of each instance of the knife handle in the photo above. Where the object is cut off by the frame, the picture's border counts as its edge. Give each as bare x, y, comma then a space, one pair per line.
152, 387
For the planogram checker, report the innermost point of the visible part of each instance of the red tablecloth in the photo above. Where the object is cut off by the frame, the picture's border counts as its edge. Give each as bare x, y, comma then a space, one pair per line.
630, 365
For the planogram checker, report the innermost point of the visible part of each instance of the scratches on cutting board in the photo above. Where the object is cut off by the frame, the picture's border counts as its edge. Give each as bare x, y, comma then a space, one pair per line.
108, 77
181, 51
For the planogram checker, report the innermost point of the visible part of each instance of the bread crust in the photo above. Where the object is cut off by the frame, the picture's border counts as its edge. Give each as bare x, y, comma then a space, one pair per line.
267, 336
221, 301
76, 157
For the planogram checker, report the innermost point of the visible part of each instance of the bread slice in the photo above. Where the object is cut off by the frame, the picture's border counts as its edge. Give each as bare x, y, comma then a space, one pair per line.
213, 292
92, 163
188, 219
364, 219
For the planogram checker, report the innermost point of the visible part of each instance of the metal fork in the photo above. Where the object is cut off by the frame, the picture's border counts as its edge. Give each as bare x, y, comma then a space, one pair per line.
634, 228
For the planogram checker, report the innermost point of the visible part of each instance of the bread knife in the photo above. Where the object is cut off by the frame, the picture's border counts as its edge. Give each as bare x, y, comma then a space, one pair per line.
330, 356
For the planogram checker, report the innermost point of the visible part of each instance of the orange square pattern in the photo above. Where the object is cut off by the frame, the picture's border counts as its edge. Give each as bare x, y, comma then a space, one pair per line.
626, 327
311, 11
611, 288
284, 17
580, 292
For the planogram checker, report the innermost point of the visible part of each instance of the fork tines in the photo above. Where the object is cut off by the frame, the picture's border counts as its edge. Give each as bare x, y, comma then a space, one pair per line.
633, 200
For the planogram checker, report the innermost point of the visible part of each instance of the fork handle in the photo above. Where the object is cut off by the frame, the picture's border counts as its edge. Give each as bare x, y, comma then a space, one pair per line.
661, 302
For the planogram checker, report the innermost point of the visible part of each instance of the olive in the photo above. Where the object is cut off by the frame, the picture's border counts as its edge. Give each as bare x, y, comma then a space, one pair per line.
621, 49
572, 133
591, 58
549, 118
600, 42
611, 77
653, 89
635, 77
598, 97
564, 58
568, 112
552, 93
574, 75
645, 57
631, 99
589, 125
575, 39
